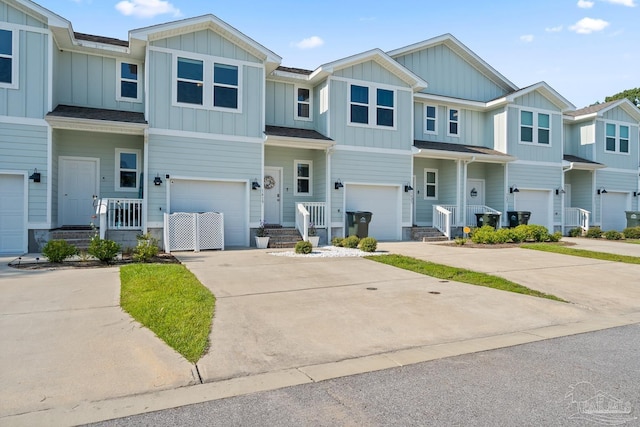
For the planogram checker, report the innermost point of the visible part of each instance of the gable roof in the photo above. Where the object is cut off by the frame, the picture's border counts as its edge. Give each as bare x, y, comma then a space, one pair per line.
545, 90
465, 53
598, 110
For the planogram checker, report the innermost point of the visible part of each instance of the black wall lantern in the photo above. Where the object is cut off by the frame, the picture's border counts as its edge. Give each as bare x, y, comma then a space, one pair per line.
35, 176
514, 189
407, 188
602, 190
255, 184
338, 184
157, 180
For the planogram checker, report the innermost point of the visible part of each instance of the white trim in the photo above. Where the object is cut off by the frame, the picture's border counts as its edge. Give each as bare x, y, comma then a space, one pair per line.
296, 178
25, 204
446, 100
145, 182
424, 182
118, 169
373, 150
14, 120
534, 163
296, 101
449, 121
20, 27
372, 107
49, 171
120, 79
426, 131
617, 137
49, 71
92, 125
146, 84
535, 127
209, 136
15, 58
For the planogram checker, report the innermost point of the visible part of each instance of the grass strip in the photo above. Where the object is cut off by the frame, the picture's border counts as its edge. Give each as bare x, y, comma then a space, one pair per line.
459, 275
169, 300
604, 256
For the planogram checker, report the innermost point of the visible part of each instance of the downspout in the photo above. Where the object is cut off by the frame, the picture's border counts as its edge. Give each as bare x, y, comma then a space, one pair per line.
145, 183
562, 197
327, 212
464, 188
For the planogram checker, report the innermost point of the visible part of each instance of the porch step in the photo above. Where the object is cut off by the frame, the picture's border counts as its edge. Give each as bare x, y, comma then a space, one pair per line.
78, 238
427, 234
282, 237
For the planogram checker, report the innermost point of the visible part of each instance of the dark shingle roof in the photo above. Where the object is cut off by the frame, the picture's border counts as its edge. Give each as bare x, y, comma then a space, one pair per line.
294, 133
590, 109
294, 70
100, 39
576, 159
97, 114
457, 148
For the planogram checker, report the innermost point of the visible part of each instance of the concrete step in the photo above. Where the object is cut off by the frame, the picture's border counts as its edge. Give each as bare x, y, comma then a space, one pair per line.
283, 237
427, 234
78, 238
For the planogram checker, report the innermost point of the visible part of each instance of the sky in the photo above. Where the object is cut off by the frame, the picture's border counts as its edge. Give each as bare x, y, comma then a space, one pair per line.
585, 49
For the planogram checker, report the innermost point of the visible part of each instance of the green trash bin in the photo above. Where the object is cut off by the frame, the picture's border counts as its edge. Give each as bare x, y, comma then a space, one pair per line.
518, 217
633, 218
362, 220
487, 218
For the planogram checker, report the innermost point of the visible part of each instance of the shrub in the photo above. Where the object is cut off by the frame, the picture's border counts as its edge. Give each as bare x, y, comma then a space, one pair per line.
337, 241
575, 232
612, 235
520, 233
460, 241
58, 250
631, 232
303, 247
368, 244
351, 242
555, 237
147, 248
485, 234
103, 249
594, 233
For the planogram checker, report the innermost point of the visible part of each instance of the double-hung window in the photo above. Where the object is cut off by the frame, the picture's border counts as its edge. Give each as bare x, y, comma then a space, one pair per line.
384, 112
127, 169
207, 83
8, 59
454, 116
535, 128
303, 171
128, 84
303, 103
616, 138
190, 81
431, 119
225, 86
430, 184
359, 104
363, 111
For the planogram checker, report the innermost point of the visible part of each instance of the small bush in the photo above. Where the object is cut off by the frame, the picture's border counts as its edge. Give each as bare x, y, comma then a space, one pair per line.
337, 241
612, 235
484, 234
351, 242
521, 233
303, 247
147, 248
631, 233
575, 232
103, 249
594, 233
368, 244
460, 241
555, 237
58, 250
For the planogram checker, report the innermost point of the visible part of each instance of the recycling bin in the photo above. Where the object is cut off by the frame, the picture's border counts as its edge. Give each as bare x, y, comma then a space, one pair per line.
487, 218
633, 218
517, 218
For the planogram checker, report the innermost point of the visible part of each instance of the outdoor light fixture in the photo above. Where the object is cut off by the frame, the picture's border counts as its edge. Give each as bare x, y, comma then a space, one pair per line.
602, 190
35, 176
157, 180
255, 184
635, 194
338, 184
514, 189
560, 191
407, 188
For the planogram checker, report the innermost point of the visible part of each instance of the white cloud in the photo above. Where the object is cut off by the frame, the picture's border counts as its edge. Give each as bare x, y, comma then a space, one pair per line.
553, 29
628, 3
585, 4
527, 38
589, 25
146, 8
309, 43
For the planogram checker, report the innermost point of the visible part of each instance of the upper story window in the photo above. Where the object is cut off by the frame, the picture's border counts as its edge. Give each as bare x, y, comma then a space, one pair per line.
431, 119
303, 170
127, 169
617, 138
431, 184
454, 116
128, 86
8, 59
206, 83
535, 127
303, 103
360, 111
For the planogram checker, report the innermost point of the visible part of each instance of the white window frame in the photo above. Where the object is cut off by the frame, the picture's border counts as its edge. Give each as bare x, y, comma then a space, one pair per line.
15, 58
434, 118
296, 102
208, 63
373, 106
617, 138
535, 127
435, 184
449, 121
296, 177
120, 79
118, 169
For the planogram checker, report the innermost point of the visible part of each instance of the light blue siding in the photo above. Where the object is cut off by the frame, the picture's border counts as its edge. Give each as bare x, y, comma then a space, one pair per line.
447, 187
493, 176
371, 71
617, 160
536, 100
24, 148
450, 75
582, 192
14, 16
206, 43
536, 177
536, 152
321, 107
618, 114
281, 107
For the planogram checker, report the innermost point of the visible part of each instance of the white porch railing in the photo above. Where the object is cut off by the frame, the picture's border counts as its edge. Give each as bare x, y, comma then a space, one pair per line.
119, 214
309, 213
472, 210
442, 219
576, 217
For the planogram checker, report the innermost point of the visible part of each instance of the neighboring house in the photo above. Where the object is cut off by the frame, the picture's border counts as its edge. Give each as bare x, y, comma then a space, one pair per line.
195, 116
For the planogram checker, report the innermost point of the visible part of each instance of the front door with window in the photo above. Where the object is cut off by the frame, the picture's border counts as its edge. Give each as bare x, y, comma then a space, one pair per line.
78, 184
272, 195
475, 192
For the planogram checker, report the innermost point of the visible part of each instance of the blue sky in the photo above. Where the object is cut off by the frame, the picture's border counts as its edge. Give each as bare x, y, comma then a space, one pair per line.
585, 49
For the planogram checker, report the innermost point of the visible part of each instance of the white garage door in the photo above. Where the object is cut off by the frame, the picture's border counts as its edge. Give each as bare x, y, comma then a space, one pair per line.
12, 219
383, 202
228, 198
614, 206
538, 203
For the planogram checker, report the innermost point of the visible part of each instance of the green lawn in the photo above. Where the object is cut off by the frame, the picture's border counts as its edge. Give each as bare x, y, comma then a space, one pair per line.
169, 300
565, 250
459, 275
634, 241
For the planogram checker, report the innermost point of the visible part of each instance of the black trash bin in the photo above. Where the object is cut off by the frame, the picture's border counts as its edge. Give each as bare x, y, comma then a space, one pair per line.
517, 218
633, 218
362, 220
350, 224
487, 218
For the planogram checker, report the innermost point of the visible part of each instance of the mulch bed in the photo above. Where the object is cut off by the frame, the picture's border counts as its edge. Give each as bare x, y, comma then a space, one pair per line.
161, 258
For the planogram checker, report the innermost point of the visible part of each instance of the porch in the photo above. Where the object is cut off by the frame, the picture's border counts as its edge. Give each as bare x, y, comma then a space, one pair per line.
447, 218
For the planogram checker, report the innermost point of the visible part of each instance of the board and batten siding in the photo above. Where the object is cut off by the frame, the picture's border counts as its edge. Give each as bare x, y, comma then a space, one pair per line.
24, 148
536, 177
617, 160
618, 114
450, 75
446, 188
281, 106
535, 152
582, 192
206, 42
90, 81
30, 98
536, 100
201, 158
162, 114
370, 71
493, 176
359, 167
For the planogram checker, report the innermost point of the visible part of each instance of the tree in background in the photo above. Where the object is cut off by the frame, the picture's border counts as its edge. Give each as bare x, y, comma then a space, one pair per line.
632, 94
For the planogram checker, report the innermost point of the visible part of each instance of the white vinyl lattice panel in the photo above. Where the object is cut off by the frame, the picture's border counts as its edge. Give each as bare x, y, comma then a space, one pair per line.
180, 231
211, 230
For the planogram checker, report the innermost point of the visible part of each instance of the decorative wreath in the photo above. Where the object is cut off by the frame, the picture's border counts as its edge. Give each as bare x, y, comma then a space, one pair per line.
269, 182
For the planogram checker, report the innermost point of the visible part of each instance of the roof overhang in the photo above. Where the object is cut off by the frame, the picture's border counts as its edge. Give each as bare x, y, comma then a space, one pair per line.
293, 142
544, 89
463, 103
453, 155
92, 125
40, 13
581, 166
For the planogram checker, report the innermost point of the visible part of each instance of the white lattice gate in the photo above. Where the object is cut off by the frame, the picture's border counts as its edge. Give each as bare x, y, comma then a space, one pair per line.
185, 231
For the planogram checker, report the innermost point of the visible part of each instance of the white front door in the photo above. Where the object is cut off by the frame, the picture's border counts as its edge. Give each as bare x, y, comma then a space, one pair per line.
475, 192
272, 184
78, 186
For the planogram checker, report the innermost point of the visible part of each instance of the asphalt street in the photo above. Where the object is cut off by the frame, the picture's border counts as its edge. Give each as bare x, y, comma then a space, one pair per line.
586, 379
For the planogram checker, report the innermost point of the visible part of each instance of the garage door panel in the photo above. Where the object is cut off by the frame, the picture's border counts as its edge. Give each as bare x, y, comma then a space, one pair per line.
382, 201
614, 206
12, 217
229, 198
536, 202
